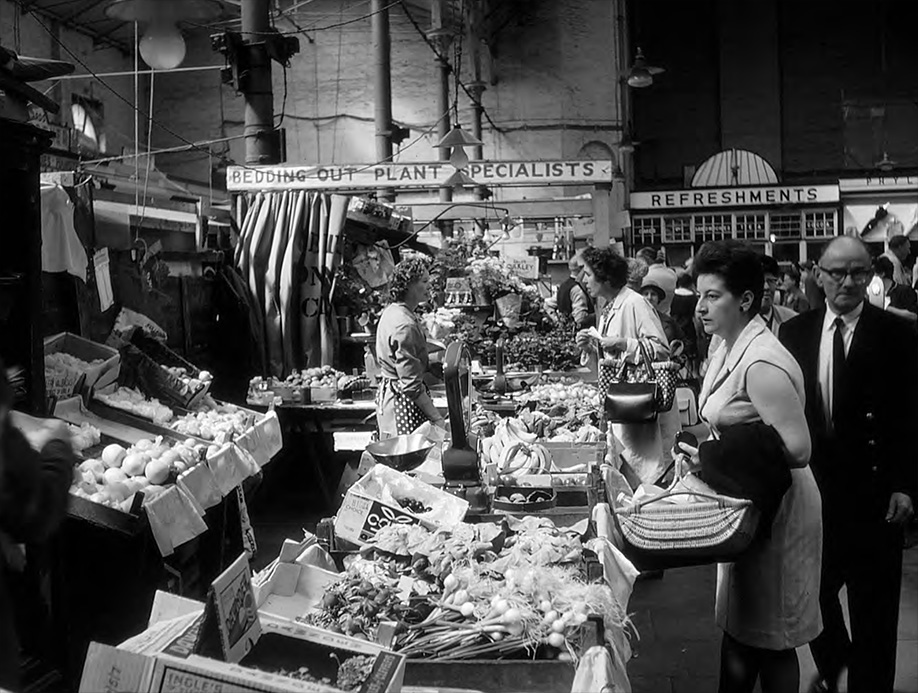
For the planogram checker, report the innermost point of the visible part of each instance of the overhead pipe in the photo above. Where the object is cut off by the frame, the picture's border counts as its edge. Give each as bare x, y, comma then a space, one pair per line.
382, 80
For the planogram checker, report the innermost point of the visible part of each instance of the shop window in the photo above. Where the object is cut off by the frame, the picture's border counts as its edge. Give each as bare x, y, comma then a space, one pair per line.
713, 227
646, 231
750, 227
785, 226
88, 124
819, 224
677, 229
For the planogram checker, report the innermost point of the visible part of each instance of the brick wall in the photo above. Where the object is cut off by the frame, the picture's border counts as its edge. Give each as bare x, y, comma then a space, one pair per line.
555, 90
34, 41
820, 89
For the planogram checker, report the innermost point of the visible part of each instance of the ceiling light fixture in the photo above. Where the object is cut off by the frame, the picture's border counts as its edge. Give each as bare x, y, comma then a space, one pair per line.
457, 137
162, 46
641, 74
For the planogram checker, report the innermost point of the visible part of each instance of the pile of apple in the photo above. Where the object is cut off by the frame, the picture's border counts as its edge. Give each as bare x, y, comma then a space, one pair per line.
146, 466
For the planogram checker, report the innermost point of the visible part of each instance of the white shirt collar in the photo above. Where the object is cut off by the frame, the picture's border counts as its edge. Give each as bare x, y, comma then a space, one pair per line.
850, 318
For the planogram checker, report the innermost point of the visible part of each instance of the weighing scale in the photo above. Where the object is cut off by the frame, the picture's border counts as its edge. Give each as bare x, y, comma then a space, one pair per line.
460, 460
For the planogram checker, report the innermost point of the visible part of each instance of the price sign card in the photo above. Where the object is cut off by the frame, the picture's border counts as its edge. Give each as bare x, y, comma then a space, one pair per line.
236, 610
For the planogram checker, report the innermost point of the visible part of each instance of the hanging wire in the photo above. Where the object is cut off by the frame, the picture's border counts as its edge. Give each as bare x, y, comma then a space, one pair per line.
440, 56
303, 31
149, 162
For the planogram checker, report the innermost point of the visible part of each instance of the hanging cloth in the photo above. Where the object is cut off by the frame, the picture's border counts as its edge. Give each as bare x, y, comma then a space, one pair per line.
61, 249
290, 278
287, 253
272, 285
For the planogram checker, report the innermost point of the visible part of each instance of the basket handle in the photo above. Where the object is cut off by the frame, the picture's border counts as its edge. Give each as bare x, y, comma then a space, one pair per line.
722, 500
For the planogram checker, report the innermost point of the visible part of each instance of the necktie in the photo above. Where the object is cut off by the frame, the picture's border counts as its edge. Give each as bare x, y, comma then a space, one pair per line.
839, 367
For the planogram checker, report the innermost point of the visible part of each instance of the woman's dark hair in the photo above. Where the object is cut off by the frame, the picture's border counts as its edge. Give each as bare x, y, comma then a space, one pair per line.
737, 264
883, 267
607, 266
793, 273
406, 273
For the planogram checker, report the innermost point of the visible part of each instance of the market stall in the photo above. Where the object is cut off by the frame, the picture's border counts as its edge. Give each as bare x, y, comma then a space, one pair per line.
159, 492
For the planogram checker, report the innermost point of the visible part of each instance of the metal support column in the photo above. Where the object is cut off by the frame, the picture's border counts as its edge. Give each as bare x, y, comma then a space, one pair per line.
382, 78
261, 143
442, 41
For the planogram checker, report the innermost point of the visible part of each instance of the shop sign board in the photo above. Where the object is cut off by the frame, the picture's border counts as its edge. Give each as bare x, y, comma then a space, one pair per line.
878, 184
526, 267
735, 197
416, 175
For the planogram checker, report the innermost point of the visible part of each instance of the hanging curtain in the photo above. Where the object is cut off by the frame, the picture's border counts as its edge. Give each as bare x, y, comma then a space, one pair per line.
288, 253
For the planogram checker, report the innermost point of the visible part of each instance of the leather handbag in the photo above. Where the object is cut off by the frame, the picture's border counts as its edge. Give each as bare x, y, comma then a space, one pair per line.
631, 397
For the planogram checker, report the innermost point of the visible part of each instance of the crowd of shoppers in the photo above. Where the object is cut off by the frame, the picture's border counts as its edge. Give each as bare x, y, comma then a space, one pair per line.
826, 354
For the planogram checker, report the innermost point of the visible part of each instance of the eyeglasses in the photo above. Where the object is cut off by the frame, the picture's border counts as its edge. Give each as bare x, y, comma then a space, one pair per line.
859, 275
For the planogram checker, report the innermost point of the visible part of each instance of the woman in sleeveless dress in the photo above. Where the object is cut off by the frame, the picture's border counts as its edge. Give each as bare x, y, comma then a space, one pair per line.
767, 601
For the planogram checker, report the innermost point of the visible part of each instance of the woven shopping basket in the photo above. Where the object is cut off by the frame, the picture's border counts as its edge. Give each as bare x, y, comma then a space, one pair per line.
716, 529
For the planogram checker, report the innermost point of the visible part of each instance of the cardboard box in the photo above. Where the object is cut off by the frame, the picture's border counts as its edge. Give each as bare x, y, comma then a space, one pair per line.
99, 375
161, 659
566, 454
294, 583
372, 503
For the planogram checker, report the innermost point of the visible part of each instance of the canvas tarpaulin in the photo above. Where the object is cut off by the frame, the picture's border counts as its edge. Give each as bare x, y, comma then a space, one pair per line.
288, 253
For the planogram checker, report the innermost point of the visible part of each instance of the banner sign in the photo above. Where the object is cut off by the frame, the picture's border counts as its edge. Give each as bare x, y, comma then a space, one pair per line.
878, 184
416, 175
735, 197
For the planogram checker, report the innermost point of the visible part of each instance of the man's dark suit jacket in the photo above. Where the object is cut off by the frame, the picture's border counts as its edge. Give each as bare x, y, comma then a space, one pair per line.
873, 451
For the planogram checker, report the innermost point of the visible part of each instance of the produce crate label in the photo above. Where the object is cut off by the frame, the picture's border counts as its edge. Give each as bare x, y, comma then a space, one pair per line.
359, 518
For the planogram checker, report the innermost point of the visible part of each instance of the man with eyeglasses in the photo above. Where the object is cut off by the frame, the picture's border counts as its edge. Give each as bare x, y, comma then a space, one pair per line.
773, 314
860, 366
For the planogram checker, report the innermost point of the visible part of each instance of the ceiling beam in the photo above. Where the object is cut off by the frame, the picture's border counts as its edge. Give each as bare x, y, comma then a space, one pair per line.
33, 7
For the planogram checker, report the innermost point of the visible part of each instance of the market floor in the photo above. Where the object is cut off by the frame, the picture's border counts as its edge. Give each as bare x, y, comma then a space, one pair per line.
679, 646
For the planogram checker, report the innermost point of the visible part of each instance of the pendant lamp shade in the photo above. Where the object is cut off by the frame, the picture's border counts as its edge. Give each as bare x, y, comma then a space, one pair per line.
459, 180
641, 74
162, 46
886, 164
457, 137
149, 11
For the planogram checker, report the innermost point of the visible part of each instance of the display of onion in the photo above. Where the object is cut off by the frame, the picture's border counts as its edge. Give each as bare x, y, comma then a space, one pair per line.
157, 472
113, 475
467, 609
113, 455
134, 464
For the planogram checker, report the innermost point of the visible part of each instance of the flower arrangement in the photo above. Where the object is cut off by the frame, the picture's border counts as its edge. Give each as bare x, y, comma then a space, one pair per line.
494, 277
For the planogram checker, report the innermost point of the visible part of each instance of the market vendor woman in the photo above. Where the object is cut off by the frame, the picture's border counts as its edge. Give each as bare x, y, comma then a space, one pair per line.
403, 401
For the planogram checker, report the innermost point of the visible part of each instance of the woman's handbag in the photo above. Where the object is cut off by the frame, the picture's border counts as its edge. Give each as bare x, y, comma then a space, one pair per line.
635, 392
659, 535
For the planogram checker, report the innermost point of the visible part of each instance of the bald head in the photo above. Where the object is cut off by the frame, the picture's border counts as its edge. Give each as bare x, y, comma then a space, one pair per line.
846, 247
843, 273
